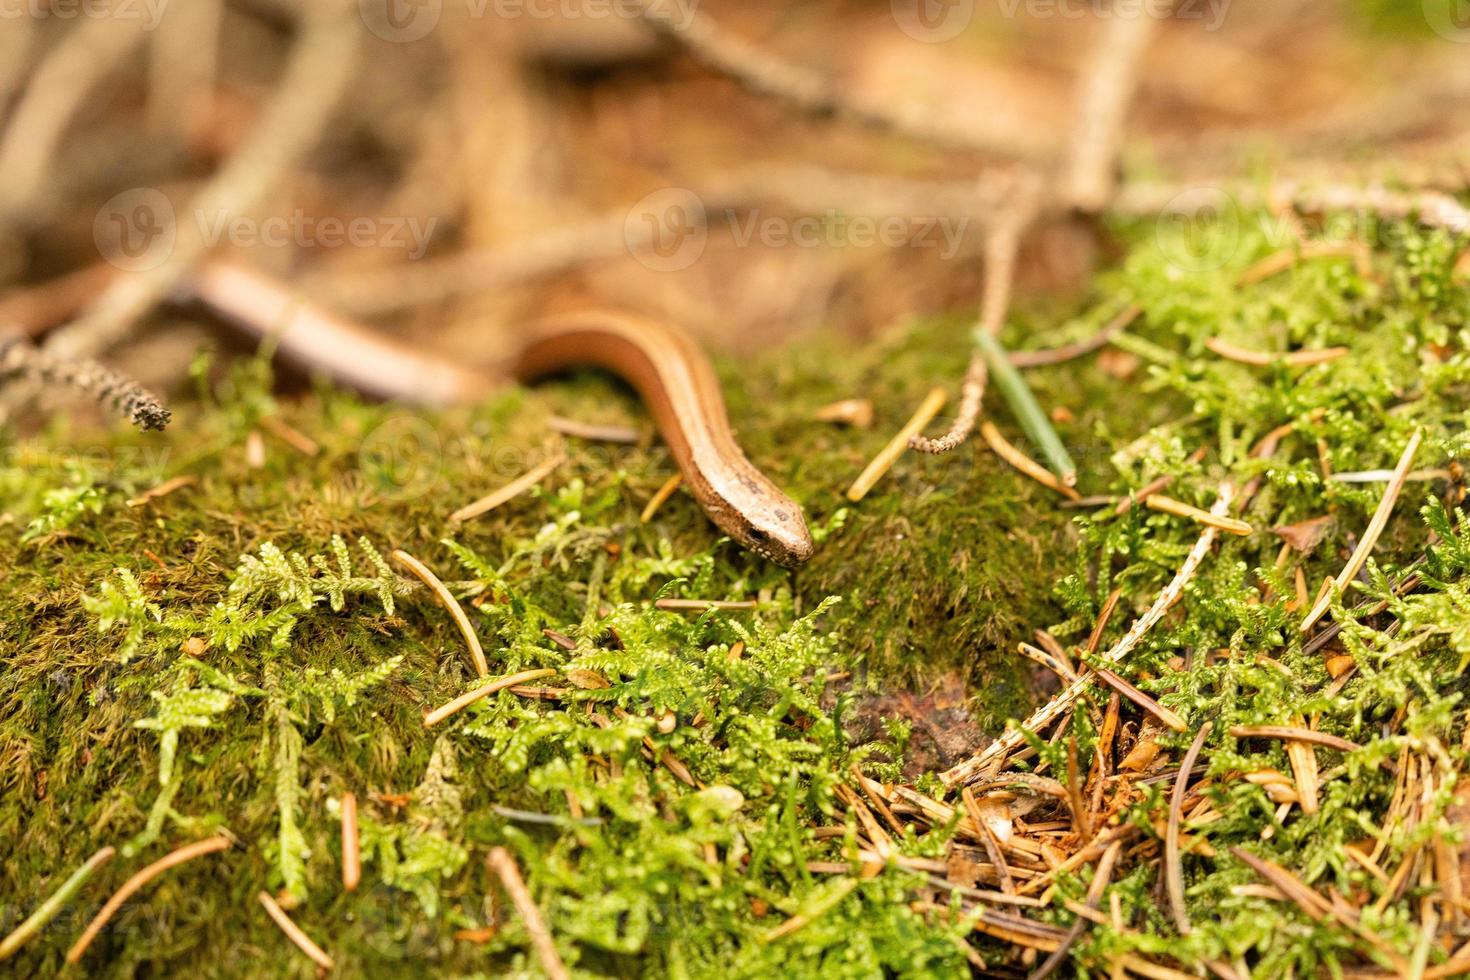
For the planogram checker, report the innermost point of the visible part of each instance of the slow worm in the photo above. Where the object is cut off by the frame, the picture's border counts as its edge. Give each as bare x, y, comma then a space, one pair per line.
667, 369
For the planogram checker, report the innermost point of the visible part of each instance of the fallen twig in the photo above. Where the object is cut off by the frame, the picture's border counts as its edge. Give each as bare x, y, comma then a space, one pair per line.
162, 490
1024, 407
660, 497
1104, 91
351, 844
1023, 463
1168, 505
1255, 358
1294, 735
321, 65
1070, 352
113, 390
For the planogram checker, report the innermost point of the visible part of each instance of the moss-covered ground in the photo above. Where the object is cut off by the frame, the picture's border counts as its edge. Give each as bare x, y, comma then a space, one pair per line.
170, 671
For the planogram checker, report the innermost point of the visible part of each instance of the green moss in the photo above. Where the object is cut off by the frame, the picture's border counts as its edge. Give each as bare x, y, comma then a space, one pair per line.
172, 669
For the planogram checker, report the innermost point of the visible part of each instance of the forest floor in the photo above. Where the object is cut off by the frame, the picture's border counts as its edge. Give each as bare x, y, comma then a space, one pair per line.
778, 788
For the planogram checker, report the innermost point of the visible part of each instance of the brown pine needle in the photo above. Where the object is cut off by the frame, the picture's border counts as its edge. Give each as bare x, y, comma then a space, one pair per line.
53, 905
1370, 536
1069, 352
1294, 735
505, 868
511, 490
162, 490
351, 845
885, 459
1023, 463
704, 605
293, 932
186, 853
295, 438
1256, 358
988, 840
660, 497
592, 433
1094, 639
1179, 508
1173, 866
470, 697
996, 752
1281, 261
1145, 702
448, 601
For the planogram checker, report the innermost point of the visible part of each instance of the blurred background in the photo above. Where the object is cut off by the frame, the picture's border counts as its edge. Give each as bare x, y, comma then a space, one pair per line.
446, 169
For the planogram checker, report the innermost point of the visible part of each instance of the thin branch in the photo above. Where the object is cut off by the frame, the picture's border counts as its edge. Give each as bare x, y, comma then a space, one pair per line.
767, 74
1070, 352
889, 454
110, 388
294, 932
1104, 92
470, 697
446, 599
1001, 244
58, 88
291, 123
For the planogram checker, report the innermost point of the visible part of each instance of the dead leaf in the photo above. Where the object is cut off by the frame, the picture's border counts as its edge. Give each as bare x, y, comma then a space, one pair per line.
587, 680
1304, 536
